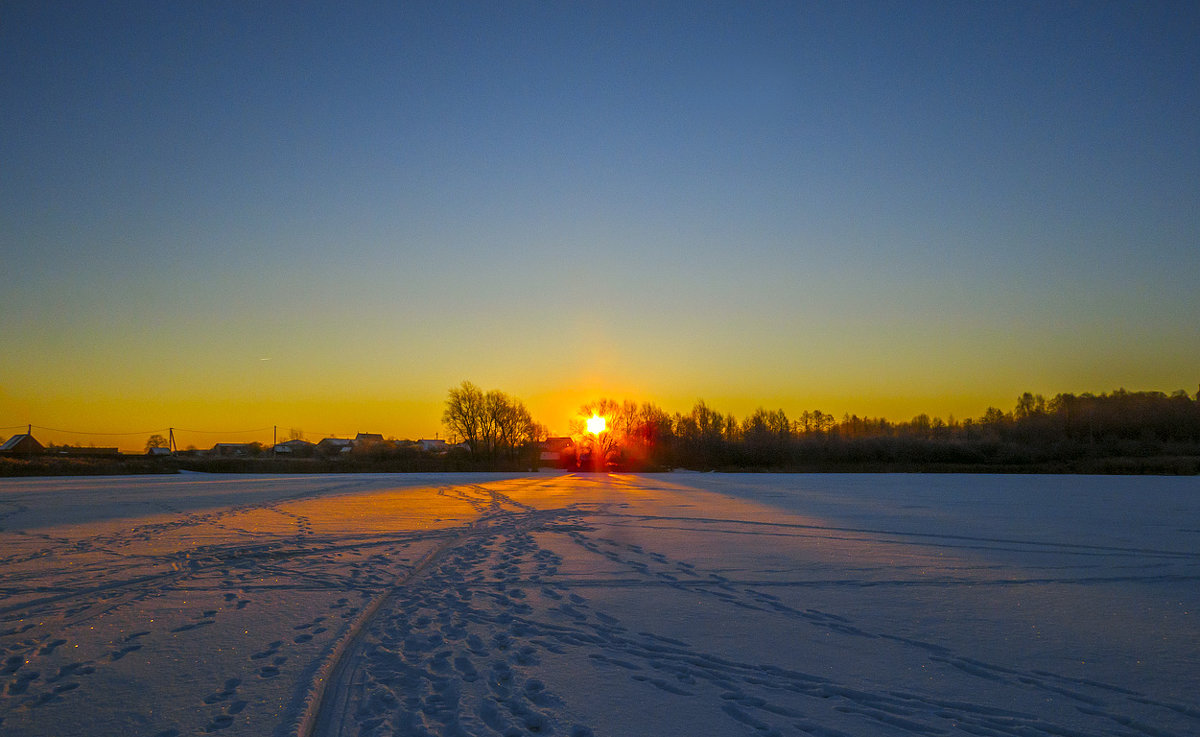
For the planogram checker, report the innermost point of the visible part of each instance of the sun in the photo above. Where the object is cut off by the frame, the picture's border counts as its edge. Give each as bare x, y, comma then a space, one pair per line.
595, 424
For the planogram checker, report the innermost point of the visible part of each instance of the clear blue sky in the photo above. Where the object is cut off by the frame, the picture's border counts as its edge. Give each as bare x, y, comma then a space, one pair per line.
324, 215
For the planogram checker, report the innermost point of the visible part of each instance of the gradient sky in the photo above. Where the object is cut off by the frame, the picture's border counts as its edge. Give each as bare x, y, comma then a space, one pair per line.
229, 215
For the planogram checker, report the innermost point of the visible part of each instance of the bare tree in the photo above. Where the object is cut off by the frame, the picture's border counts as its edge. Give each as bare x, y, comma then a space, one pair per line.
510, 422
464, 414
492, 423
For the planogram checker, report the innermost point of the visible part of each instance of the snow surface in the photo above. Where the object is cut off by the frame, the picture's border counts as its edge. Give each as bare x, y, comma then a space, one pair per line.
668, 604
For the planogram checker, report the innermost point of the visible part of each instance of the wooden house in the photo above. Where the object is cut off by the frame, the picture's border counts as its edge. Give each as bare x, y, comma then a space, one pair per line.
22, 445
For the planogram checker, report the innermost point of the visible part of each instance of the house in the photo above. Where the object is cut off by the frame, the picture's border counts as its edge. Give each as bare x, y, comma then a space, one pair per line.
556, 451
436, 445
334, 446
296, 449
88, 452
367, 438
158, 452
232, 450
22, 445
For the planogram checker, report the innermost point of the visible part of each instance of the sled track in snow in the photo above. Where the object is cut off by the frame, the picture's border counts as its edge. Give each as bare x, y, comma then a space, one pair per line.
329, 697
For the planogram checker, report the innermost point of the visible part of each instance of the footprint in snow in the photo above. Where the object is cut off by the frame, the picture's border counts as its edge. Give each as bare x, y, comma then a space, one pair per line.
118, 654
221, 721
50, 647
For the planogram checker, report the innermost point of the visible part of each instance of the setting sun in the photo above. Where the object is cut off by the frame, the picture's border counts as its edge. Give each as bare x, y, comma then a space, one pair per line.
595, 424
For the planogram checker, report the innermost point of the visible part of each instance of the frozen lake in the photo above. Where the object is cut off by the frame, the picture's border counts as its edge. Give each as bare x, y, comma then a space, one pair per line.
584, 604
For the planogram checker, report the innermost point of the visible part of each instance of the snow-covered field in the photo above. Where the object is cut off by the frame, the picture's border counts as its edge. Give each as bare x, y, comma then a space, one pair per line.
672, 604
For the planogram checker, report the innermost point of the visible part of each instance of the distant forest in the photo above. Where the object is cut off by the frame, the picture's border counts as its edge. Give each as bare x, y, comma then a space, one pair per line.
1119, 432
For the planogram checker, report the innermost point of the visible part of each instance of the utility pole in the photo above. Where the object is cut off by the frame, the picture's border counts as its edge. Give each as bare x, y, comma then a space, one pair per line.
171, 440
274, 439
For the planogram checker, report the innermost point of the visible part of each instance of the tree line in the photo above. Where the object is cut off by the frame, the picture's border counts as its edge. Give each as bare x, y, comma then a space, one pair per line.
1116, 432
1121, 431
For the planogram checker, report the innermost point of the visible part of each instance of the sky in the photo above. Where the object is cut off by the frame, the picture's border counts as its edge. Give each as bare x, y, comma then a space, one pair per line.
226, 216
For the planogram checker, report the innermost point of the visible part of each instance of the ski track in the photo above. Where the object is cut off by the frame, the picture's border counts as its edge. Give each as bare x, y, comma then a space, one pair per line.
443, 631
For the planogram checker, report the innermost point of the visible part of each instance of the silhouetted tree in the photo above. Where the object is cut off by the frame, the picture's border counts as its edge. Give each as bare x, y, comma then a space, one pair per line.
510, 424
765, 436
492, 424
464, 415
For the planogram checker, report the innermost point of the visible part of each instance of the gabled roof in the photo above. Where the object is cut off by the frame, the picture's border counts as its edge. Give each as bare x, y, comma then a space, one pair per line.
297, 444
557, 443
22, 442
293, 446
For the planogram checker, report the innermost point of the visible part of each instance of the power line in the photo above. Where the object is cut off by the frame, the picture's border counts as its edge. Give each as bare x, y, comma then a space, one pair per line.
80, 432
222, 432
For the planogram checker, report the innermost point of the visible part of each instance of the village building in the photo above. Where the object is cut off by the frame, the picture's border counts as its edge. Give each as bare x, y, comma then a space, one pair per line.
556, 451
295, 449
335, 446
22, 445
232, 450
87, 452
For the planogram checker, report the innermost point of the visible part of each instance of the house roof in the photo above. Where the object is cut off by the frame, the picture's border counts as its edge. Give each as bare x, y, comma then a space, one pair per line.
292, 446
18, 441
553, 444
